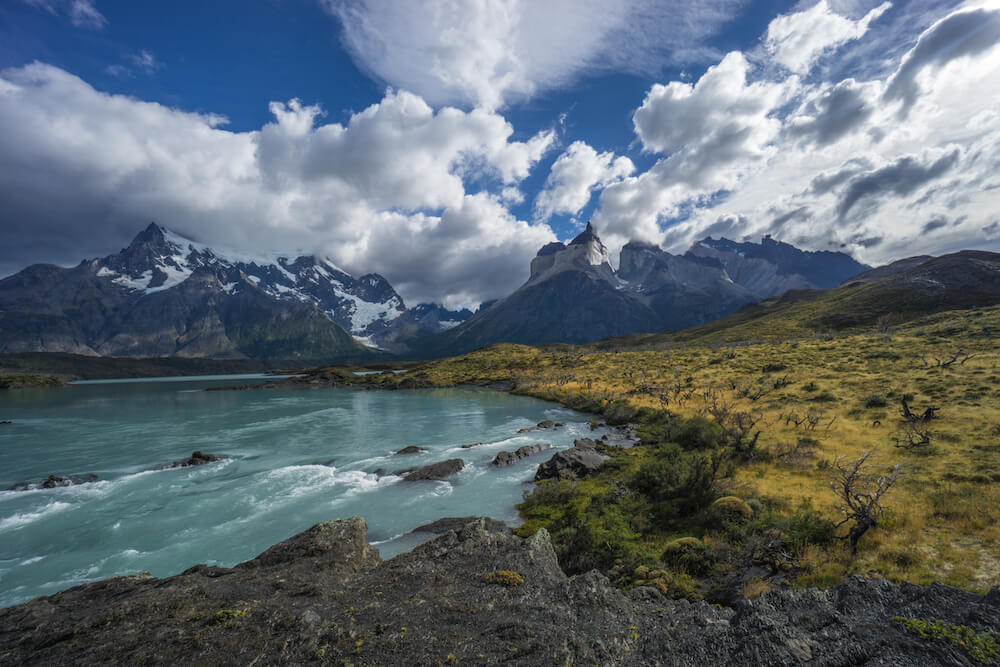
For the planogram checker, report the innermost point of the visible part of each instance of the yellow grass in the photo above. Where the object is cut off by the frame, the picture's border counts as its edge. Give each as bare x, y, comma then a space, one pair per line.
944, 518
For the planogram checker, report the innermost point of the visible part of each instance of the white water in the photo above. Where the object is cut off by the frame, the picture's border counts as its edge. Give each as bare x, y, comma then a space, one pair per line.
293, 458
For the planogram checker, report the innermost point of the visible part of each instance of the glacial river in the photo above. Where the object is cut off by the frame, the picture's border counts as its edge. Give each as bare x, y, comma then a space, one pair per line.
292, 457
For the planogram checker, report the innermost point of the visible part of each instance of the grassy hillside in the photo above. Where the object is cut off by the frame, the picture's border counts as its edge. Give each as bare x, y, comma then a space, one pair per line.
815, 401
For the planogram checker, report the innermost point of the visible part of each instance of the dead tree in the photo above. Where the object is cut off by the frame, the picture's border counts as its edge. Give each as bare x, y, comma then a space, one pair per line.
860, 491
911, 417
912, 436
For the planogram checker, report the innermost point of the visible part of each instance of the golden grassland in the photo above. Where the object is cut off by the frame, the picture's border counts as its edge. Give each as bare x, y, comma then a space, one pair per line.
817, 399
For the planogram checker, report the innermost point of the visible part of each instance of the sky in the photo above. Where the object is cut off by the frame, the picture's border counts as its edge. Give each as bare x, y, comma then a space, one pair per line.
441, 143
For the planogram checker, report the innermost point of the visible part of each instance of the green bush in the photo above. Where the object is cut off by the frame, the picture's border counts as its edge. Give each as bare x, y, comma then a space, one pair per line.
730, 509
689, 555
677, 484
876, 401
699, 433
807, 526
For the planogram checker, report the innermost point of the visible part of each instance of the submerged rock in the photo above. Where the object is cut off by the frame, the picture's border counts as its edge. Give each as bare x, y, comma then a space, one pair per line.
544, 425
196, 459
410, 449
471, 596
432, 471
505, 458
55, 481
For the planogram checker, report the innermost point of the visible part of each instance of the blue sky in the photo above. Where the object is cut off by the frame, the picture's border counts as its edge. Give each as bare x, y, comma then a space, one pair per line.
441, 144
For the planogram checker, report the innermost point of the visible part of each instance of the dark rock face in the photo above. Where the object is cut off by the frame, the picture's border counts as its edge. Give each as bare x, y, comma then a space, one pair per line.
571, 464
433, 471
410, 449
770, 268
506, 458
324, 595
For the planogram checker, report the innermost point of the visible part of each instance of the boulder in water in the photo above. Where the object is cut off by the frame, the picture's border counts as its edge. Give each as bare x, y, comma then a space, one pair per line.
506, 458
432, 471
197, 458
410, 449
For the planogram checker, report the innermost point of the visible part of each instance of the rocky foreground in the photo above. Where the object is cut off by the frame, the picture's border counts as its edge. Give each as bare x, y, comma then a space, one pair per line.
472, 596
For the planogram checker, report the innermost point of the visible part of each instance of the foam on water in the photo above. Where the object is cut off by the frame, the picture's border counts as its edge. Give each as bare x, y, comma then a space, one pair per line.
25, 518
294, 458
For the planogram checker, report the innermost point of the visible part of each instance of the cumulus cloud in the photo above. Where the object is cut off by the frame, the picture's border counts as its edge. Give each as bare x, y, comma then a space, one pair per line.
797, 40
825, 164
958, 35
384, 192
833, 112
575, 175
490, 52
699, 117
714, 131
901, 177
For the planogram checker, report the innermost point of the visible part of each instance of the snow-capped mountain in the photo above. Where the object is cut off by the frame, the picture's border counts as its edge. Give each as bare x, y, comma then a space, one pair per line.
166, 295
158, 259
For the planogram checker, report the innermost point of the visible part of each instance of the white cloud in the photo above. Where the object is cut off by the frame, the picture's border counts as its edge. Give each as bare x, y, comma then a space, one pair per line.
145, 61
84, 14
714, 132
384, 192
81, 13
797, 40
827, 165
575, 175
489, 52
959, 35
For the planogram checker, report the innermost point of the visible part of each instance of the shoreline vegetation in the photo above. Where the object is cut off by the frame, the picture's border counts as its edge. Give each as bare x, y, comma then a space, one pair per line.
738, 483
733, 489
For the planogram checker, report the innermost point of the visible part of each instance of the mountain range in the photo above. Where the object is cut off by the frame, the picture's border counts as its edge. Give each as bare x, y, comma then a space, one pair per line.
573, 294
168, 296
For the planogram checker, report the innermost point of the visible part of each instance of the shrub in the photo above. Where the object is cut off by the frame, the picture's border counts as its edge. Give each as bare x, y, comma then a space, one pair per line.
688, 554
730, 509
876, 401
672, 585
699, 433
807, 526
678, 487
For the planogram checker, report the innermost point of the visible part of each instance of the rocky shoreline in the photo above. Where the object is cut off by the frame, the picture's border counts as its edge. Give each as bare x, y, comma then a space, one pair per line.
478, 595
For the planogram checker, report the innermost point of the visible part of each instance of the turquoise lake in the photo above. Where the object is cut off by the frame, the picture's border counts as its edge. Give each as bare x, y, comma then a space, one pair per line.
293, 457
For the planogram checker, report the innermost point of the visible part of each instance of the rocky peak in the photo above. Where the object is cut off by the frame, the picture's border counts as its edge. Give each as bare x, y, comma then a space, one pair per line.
586, 236
638, 258
585, 252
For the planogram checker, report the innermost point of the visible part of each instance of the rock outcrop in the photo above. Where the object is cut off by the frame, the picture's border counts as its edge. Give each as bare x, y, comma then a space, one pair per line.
579, 461
505, 458
432, 471
470, 596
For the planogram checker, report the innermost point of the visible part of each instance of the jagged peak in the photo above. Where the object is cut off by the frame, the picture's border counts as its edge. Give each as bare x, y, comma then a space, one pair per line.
586, 236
